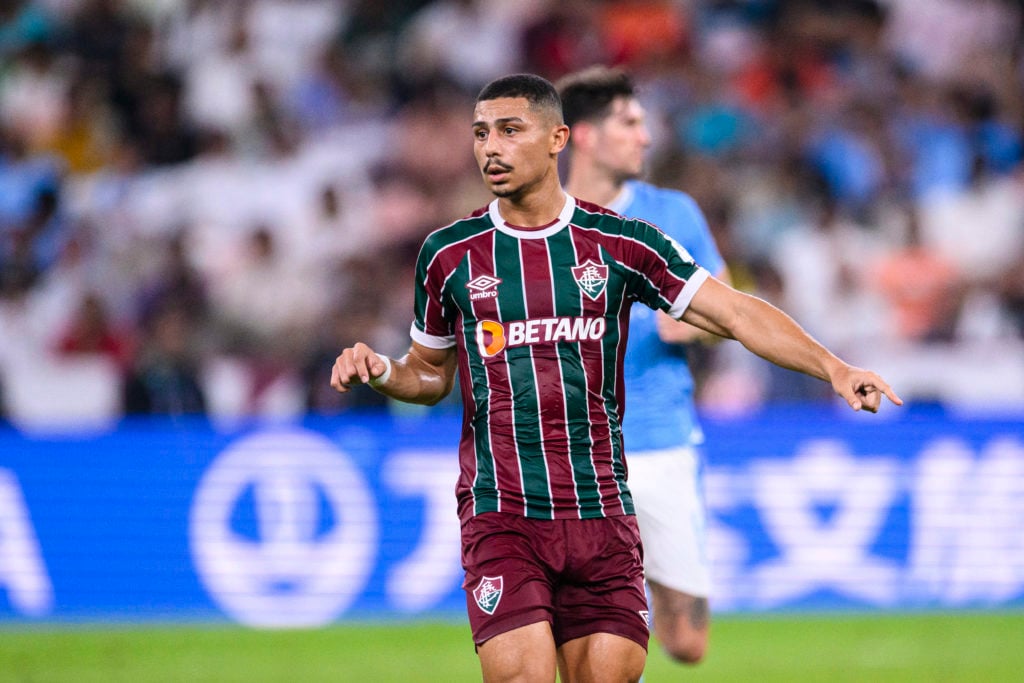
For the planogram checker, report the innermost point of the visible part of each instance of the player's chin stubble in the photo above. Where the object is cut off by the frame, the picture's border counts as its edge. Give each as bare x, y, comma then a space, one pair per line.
502, 190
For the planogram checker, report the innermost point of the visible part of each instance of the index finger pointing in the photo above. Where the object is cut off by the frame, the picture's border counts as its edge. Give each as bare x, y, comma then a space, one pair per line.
887, 390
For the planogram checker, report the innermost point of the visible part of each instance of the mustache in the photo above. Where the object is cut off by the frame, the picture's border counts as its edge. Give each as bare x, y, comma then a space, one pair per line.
498, 164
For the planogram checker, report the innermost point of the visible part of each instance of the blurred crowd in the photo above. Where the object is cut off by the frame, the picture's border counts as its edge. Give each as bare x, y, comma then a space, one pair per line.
203, 201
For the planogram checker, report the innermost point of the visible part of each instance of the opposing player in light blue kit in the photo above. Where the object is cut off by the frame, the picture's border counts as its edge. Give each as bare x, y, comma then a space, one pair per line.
661, 433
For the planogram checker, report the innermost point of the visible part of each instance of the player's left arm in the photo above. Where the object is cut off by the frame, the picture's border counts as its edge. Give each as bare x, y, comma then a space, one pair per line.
672, 331
689, 226
770, 333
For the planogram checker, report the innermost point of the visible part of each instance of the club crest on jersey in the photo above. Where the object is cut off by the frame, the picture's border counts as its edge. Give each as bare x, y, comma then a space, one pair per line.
591, 277
488, 593
483, 287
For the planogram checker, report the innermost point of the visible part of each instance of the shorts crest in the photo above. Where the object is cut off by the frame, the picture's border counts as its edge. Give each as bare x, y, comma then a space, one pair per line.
488, 593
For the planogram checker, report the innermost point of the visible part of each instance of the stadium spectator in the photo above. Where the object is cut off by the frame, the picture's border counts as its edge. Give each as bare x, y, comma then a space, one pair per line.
196, 30
23, 22
324, 239
259, 300
47, 228
371, 33
563, 38
218, 90
98, 35
157, 125
942, 42
32, 94
1010, 289
991, 205
461, 41
554, 576
86, 134
261, 314
177, 285
824, 281
90, 331
642, 33
849, 153
28, 181
30, 248
326, 95
165, 378
19, 269
923, 288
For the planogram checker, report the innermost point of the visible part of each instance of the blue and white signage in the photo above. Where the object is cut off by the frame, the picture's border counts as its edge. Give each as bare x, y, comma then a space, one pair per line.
307, 524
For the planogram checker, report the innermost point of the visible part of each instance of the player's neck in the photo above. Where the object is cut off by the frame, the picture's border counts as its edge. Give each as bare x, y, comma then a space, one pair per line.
590, 184
534, 209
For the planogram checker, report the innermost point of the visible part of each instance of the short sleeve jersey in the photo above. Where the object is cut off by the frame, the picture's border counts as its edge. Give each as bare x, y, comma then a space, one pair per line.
539, 318
661, 410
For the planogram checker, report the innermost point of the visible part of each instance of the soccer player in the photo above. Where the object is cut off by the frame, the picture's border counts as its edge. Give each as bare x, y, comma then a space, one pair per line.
609, 137
529, 298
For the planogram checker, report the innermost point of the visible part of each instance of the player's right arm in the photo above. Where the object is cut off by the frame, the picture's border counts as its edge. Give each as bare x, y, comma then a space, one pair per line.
423, 375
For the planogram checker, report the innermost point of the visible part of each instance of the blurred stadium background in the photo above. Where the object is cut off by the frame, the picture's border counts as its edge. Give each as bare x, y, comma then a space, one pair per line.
202, 201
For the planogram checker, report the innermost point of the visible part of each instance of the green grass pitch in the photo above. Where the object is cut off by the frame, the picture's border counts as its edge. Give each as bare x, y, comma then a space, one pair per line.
927, 647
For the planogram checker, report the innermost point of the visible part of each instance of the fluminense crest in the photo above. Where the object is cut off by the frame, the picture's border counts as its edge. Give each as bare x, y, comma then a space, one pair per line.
591, 277
488, 593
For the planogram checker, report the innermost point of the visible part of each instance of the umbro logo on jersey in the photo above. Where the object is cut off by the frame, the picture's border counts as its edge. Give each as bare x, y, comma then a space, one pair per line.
488, 593
591, 277
483, 287
646, 616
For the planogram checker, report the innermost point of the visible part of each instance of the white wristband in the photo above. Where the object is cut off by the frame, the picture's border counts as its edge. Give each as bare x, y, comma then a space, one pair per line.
383, 378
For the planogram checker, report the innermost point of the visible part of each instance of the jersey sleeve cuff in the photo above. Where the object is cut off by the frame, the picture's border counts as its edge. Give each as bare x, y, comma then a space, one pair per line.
431, 341
682, 301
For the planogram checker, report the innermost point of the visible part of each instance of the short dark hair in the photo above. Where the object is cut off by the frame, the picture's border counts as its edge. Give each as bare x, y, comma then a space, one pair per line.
538, 91
587, 95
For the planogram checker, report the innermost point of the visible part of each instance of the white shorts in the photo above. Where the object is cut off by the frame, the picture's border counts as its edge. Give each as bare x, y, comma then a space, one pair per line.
668, 494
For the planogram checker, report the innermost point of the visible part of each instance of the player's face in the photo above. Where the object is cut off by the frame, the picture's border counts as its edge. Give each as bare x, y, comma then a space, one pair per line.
622, 139
515, 146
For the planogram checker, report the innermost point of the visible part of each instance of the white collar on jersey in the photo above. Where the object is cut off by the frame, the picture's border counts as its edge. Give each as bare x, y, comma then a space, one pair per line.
623, 199
563, 220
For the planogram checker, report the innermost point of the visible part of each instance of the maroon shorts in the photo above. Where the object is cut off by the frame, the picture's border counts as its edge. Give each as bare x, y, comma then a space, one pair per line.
582, 576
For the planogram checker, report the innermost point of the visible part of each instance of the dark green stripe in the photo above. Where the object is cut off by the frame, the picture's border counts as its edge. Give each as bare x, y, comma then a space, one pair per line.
521, 375
568, 304
485, 477
612, 335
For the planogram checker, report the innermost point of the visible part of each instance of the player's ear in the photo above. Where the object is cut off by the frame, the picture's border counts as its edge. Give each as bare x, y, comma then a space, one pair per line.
559, 138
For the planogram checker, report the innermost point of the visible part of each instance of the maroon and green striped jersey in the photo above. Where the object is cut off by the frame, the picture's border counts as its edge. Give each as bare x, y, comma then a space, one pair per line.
540, 318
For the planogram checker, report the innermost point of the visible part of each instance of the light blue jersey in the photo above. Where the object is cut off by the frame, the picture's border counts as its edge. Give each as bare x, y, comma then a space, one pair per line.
660, 411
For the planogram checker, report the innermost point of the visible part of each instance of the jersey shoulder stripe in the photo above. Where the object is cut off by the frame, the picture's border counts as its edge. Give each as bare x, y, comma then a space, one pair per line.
643, 234
612, 224
595, 209
458, 231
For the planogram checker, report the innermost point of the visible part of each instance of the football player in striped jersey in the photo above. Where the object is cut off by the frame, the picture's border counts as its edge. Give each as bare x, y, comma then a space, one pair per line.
550, 544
